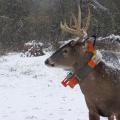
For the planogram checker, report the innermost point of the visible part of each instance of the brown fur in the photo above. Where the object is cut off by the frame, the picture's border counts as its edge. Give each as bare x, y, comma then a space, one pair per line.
101, 88
102, 91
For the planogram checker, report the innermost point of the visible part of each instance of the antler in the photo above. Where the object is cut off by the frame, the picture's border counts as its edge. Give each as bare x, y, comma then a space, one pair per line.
76, 29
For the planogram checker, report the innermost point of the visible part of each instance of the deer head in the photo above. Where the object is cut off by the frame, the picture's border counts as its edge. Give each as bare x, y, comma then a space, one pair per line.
72, 55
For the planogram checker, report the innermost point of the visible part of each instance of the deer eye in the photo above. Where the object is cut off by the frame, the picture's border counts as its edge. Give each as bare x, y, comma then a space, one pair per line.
65, 51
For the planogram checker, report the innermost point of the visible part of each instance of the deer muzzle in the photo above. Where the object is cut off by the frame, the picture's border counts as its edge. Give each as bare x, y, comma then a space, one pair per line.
49, 62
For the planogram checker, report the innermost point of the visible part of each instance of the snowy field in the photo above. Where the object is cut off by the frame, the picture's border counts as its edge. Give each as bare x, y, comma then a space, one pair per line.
31, 91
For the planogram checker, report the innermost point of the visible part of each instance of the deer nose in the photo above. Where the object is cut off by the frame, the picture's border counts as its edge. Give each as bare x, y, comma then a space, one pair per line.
47, 62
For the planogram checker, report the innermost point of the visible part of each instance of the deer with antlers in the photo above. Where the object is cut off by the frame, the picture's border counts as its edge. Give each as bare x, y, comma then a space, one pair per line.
101, 87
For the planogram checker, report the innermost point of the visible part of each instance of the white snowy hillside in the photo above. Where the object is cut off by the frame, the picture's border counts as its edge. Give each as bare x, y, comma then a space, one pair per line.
31, 91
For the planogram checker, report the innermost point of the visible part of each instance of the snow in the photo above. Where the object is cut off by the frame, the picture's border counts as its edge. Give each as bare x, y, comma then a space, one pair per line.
109, 58
112, 36
31, 91
34, 42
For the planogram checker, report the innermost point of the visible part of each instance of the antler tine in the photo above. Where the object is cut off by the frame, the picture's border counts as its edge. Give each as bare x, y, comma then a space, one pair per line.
88, 20
79, 18
66, 28
74, 20
76, 29
77, 21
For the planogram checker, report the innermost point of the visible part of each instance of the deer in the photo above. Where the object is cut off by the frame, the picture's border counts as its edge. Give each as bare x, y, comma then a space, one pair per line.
101, 87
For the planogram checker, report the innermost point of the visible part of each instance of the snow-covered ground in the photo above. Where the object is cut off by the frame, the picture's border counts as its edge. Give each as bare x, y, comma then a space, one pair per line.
31, 91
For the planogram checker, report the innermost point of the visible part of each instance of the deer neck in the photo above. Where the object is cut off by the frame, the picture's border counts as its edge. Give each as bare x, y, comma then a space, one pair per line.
101, 72
87, 67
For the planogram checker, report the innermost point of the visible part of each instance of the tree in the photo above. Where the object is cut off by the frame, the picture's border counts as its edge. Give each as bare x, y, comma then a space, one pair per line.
12, 14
